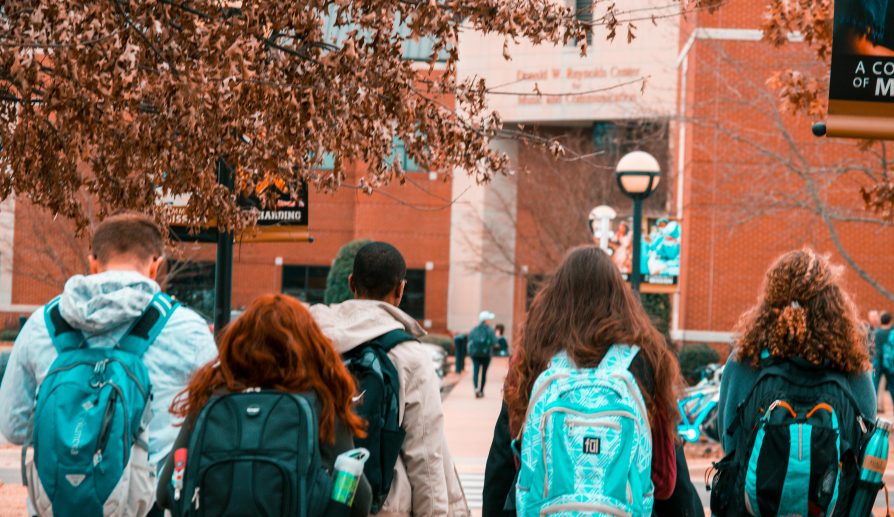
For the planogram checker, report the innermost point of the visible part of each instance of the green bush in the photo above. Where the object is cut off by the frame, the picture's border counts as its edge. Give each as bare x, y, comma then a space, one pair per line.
337, 289
658, 307
9, 334
695, 357
442, 340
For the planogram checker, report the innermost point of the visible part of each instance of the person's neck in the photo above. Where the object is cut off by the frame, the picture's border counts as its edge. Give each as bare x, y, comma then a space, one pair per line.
388, 299
122, 267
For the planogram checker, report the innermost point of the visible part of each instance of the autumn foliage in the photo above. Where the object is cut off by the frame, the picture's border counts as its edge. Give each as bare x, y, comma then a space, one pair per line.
129, 101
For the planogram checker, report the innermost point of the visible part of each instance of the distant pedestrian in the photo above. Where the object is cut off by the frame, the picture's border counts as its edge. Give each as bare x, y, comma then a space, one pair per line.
274, 362
590, 400
796, 396
883, 356
460, 343
119, 350
424, 477
482, 340
502, 344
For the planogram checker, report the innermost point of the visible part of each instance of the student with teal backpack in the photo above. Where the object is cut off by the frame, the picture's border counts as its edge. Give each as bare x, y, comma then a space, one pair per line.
591, 438
797, 404
91, 377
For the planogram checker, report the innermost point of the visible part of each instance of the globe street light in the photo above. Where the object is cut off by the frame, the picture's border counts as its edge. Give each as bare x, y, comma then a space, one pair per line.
638, 173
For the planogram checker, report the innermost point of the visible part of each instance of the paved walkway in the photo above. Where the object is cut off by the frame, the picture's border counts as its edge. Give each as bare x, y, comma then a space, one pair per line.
469, 424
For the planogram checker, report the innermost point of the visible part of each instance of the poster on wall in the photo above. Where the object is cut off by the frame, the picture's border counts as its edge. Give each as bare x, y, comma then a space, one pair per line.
659, 252
861, 84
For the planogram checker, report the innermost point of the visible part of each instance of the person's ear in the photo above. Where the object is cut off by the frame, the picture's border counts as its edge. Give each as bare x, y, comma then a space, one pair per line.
95, 266
154, 266
351, 285
399, 292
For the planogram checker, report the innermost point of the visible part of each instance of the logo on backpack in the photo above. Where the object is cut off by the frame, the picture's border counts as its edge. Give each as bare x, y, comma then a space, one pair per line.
91, 421
379, 386
591, 445
586, 446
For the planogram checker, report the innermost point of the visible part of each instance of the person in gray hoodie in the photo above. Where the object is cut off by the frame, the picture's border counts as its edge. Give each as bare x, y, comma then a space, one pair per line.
425, 480
126, 253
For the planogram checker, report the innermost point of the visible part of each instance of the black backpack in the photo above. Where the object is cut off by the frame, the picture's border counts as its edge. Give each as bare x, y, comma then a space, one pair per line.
800, 437
255, 453
481, 342
378, 386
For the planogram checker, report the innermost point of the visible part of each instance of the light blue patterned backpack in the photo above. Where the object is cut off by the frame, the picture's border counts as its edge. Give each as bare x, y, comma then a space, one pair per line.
586, 444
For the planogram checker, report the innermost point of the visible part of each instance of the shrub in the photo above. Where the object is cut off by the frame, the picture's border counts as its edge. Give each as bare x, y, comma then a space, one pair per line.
9, 334
442, 340
658, 307
337, 289
695, 357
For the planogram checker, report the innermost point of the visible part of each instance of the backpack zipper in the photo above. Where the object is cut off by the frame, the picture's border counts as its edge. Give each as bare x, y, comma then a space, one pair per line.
195, 498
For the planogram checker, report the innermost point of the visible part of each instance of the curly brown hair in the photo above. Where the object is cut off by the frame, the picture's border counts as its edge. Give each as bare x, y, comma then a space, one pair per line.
803, 312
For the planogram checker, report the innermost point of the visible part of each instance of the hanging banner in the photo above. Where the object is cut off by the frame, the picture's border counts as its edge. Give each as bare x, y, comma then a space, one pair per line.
861, 85
659, 252
286, 221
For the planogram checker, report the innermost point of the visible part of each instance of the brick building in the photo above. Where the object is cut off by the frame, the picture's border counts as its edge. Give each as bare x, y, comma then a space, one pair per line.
751, 182
39, 253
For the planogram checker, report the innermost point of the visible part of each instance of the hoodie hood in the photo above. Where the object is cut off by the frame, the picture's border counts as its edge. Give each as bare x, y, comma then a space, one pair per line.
99, 303
354, 322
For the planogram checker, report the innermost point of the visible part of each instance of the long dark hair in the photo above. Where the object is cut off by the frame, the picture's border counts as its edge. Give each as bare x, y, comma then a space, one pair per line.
803, 311
276, 344
584, 308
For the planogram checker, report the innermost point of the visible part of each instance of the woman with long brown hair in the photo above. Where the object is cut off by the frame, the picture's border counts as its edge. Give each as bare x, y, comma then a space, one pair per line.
276, 345
584, 309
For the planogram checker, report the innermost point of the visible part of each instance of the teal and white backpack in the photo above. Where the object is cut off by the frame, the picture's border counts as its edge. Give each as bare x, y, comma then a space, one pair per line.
586, 445
90, 434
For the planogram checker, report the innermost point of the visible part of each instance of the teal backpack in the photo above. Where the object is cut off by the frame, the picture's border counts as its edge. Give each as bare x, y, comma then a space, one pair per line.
586, 444
887, 352
481, 342
90, 433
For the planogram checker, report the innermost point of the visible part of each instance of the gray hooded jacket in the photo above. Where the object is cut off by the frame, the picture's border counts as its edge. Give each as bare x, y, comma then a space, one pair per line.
104, 306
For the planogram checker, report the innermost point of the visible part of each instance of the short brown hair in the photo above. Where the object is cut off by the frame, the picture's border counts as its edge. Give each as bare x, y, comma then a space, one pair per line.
129, 234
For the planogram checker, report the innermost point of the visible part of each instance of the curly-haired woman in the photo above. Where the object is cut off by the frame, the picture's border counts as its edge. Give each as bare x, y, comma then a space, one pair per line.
802, 314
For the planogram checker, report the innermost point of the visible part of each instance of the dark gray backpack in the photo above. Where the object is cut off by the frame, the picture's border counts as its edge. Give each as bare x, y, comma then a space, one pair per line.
256, 453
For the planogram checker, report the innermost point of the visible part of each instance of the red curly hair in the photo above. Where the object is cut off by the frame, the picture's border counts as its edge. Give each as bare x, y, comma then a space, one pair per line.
803, 312
276, 344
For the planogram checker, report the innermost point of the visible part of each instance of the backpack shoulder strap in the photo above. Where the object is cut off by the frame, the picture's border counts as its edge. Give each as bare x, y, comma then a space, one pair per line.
149, 325
62, 334
618, 358
391, 339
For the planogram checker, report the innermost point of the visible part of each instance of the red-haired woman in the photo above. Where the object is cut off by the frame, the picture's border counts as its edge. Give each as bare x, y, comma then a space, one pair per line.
276, 345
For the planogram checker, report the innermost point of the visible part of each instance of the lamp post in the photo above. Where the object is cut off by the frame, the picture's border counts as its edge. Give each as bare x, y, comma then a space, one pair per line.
638, 173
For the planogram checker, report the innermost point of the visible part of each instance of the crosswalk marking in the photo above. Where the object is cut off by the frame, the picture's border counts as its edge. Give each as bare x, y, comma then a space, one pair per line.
473, 484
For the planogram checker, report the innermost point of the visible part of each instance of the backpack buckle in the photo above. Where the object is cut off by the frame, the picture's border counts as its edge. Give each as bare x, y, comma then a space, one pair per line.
99, 370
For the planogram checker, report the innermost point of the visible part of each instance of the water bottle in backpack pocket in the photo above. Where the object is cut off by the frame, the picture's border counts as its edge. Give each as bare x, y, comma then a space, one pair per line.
90, 436
586, 443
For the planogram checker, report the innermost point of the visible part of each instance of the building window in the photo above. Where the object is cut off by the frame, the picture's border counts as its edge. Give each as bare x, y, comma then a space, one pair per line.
307, 283
583, 11
413, 302
192, 284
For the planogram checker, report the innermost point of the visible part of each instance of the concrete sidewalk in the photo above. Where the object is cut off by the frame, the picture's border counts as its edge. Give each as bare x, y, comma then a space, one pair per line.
469, 424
